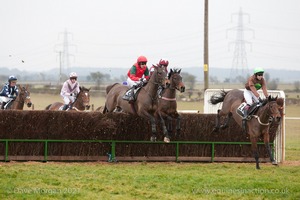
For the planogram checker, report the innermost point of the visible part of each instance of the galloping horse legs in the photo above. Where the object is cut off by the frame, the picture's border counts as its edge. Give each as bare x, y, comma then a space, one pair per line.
163, 124
255, 151
268, 147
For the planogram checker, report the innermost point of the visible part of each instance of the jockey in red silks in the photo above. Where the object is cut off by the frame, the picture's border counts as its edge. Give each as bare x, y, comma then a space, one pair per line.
137, 75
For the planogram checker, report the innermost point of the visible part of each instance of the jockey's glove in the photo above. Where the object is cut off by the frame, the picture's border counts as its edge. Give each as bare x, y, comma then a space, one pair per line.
143, 79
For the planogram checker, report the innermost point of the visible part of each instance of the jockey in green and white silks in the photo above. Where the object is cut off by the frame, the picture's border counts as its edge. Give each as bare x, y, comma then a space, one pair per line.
69, 90
254, 83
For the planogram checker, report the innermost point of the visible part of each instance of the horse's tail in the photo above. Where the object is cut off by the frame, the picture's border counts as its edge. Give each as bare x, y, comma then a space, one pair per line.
47, 108
218, 98
108, 88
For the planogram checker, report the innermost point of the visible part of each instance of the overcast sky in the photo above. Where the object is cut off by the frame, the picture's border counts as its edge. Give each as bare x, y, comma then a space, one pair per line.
114, 33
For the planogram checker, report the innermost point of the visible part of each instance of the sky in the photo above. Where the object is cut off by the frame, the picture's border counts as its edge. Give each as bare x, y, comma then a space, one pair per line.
114, 33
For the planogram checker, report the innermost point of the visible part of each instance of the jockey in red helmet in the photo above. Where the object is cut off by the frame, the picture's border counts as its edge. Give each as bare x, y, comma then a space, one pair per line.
137, 74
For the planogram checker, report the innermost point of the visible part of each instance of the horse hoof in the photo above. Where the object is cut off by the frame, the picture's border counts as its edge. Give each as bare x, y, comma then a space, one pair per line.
166, 139
153, 139
215, 129
223, 127
274, 163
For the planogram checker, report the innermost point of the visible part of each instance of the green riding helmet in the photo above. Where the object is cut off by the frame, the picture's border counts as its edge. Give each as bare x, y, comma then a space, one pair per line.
258, 70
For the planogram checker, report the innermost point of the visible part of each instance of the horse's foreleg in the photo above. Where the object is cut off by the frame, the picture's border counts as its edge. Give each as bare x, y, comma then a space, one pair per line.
162, 116
268, 148
255, 151
153, 129
178, 128
227, 120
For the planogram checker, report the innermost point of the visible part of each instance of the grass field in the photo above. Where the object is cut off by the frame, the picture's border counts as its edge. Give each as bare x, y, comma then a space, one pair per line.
142, 180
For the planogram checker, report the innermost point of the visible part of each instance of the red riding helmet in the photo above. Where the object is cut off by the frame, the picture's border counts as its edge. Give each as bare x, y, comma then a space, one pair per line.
142, 59
164, 62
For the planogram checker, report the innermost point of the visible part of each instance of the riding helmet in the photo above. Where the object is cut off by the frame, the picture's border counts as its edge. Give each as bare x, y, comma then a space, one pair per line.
164, 62
258, 70
12, 78
142, 59
73, 75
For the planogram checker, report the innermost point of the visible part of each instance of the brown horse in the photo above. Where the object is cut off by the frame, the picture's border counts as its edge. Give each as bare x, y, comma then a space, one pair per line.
146, 101
22, 98
167, 105
81, 103
257, 125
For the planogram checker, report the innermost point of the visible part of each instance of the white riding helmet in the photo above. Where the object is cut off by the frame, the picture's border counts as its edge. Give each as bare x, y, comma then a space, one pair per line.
73, 75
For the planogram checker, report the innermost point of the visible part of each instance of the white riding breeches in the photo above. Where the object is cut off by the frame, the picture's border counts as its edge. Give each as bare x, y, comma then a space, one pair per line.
131, 82
250, 98
68, 99
4, 99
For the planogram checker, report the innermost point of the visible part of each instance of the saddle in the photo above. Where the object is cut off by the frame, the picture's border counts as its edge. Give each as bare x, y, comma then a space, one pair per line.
135, 90
253, 109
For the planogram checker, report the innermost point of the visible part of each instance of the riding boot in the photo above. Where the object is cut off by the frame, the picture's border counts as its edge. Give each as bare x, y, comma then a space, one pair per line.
7, 104
131, 95
65, 107
128, 96
159, 91
2, 105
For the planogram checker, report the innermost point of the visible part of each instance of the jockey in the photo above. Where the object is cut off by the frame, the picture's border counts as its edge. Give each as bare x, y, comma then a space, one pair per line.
69, 90
251, 96
137, 75
164, 63
9, 92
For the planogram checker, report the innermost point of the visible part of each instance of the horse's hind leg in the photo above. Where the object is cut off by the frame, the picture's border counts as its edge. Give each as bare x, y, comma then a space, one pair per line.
227, 120
217, 125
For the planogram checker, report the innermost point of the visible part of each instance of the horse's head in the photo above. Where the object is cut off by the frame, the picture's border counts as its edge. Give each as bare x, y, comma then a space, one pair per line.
176, 80
158, 76
84, 97
24, 96
275, 106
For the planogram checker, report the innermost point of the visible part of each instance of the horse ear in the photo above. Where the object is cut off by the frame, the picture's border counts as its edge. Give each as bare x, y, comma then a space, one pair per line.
89, 88
80, 88
179, 71
171, 71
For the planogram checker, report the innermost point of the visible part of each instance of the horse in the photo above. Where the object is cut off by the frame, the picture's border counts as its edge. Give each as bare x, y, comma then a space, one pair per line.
81, 103
167, 105
22, 98
259, 122
146, 101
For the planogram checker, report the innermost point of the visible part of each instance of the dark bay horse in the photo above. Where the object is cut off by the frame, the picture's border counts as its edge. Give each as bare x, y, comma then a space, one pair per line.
259, 123
146, 101
22, 98
167, 105
81, 103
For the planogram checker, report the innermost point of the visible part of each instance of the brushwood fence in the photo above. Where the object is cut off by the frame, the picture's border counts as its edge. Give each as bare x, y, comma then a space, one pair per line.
89, 136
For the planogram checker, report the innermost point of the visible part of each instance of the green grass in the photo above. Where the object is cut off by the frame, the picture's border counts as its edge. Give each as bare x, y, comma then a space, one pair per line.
33, 180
